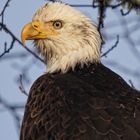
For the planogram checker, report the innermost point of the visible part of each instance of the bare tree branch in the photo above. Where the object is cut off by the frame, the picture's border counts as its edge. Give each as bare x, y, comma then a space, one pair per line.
125, 13
17, 40
109, 50
21, 86
7, 50
3, 11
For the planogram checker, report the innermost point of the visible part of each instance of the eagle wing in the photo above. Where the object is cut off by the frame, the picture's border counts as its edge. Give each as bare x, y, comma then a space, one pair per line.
64, 107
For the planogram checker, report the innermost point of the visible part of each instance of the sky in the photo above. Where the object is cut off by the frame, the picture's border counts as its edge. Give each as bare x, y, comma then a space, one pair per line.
17, 15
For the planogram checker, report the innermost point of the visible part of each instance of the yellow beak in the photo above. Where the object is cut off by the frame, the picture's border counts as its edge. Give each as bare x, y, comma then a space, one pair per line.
35, 30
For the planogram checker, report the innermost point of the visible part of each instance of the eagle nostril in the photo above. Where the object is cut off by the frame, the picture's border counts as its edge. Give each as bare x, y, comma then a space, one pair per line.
35, 26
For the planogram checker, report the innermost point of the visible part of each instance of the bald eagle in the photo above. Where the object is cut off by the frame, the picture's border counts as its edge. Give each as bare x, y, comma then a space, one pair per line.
78, 98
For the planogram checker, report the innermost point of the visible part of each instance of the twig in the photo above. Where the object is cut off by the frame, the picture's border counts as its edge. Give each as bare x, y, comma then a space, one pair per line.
21, 87
124, 14
7, 50
117, 5
3, 11
109, 50
4, 8
17, 40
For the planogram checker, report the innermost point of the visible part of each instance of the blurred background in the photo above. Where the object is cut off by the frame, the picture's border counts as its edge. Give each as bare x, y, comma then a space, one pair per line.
117, 20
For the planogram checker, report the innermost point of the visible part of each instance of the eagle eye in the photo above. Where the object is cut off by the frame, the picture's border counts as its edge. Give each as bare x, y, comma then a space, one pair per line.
57, 24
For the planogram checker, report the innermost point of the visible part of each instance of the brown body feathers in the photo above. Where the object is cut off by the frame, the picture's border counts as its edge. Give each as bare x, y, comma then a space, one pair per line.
92, 103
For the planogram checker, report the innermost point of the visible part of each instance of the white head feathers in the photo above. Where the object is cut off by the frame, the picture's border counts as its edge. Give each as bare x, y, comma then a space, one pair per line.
78, 42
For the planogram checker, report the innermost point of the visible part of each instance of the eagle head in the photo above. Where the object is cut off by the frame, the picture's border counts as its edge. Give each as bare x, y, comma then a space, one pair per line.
64, 36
